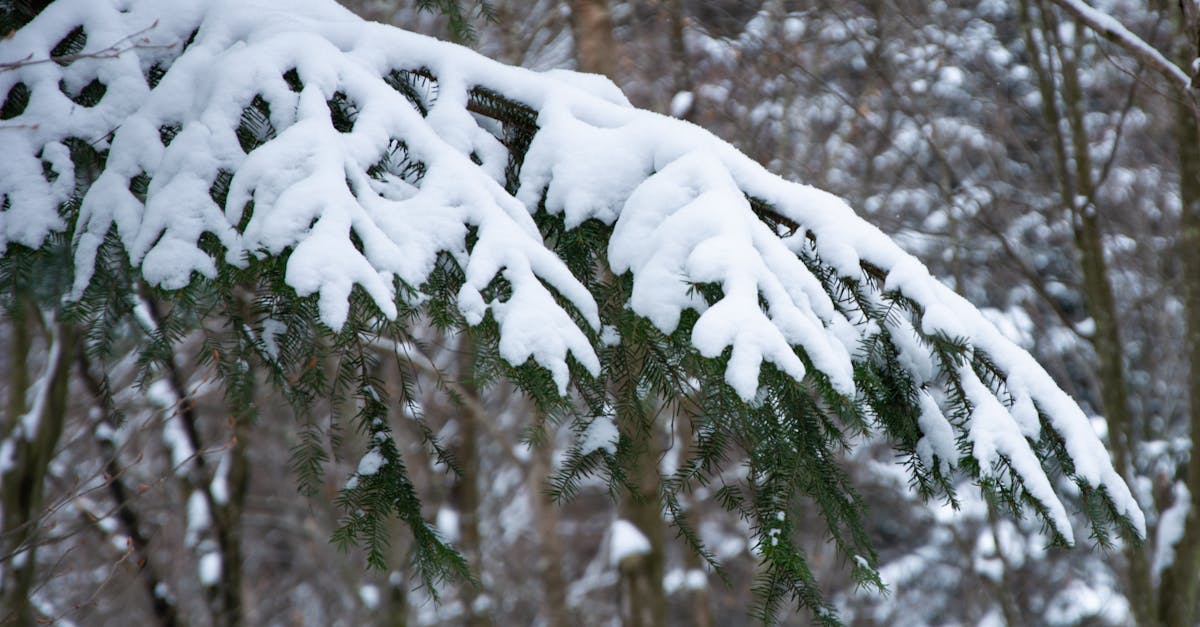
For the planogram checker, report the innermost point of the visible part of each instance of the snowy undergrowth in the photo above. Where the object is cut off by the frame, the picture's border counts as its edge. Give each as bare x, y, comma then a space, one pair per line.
364, 155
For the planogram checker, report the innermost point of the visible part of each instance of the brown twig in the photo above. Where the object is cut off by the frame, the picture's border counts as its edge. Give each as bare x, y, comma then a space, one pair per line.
113, 51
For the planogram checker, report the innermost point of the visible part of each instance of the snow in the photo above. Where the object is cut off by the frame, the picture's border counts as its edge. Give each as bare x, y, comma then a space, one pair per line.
36, 395
161, 394
369, 595
997, 436
676, 197
625, 541
448, 523
481, 604
601, 434
272, 329
675, 224
121, 542
210, 569
1170, 528
609, 336
178, 444
1078, 602
8, 453
108, 524
1014, 545
198, 519
219, 488
370, 463
681, 104
684, 580
986, 561
1016, 325
104, 433
937, 437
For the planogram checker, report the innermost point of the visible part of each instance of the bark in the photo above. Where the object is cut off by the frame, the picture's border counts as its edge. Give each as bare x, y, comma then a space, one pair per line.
592, 28
1004, 587
697, 598
20, 344
642, 600
397, 608
1110, 354
227, 518
1096, 285
1177, 594
681, 76
1110, 371
641, 596
22, 486
226, 595
16, 526
550, 549
1074, 170
465, 493
1175, 604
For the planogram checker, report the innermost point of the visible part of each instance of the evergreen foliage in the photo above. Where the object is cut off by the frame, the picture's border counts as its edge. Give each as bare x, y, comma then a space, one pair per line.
792, 433
460, 19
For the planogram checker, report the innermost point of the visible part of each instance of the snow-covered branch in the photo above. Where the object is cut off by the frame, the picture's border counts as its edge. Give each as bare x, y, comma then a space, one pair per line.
367, 158
1114, 31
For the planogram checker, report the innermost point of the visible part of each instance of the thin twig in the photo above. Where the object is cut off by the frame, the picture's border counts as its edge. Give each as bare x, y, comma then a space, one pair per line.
113, 51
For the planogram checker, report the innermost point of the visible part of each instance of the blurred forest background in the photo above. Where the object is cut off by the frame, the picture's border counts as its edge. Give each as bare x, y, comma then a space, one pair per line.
1035, 168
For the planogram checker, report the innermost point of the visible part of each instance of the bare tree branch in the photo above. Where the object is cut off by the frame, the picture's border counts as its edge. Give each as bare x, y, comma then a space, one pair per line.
1108, 27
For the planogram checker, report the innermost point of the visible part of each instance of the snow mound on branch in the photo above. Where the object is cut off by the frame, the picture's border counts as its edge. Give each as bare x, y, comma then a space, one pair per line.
626, 541
422, 170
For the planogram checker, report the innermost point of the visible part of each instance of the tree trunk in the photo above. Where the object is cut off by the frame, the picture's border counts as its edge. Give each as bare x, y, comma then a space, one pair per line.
643, 602
1178, 589
228, 520
592, 28
397, 606
642, 599
1074, 170
225, 595
697, 597
33, 441
1110, 354
165, 611
550, 545
465, 492
681, 75
16, 579
1177, 595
